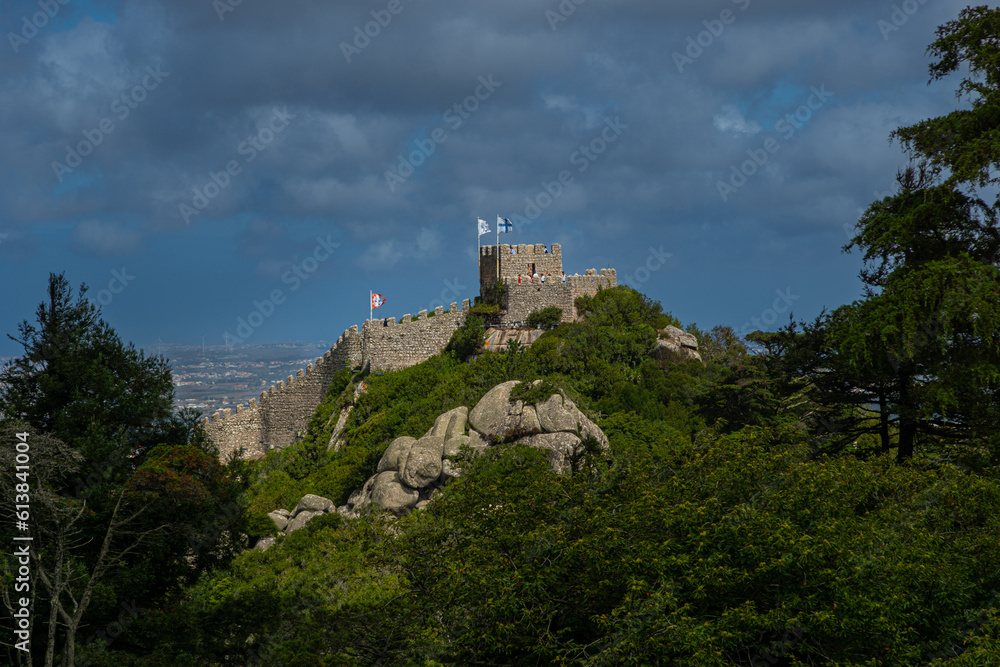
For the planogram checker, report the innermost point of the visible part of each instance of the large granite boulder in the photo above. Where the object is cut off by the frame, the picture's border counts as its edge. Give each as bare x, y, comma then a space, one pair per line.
395, 455
308, 507
280, 520
314, 503
497, 416
392, 494
561, 447
559, 414
675, 346
423, 463
265, 543
451, 423
300, 520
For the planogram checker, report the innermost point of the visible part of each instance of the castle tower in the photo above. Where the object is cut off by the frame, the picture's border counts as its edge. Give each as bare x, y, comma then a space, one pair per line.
519, 263
525, 260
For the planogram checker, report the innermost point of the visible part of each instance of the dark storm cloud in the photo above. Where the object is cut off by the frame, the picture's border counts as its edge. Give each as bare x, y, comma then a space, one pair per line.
175, 104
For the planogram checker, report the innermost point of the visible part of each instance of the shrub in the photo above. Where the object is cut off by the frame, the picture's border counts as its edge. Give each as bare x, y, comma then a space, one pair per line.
545, 318
468, 338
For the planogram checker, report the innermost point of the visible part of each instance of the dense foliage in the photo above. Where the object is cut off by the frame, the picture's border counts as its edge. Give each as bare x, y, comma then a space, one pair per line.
546, 318
712, 533
127, 501
915, 364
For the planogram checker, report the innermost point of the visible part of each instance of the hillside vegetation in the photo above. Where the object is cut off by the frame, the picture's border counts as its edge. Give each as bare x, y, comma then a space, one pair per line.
712, 533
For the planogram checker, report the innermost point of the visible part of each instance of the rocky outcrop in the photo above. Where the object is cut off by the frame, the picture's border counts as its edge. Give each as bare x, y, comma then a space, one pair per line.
313, 503
395, 455
309, 507
412, 470
497, 340
497, 416
675, 346
559, 414
392, 494
280, 518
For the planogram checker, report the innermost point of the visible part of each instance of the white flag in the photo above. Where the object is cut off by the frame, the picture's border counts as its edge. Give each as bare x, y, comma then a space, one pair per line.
484, 227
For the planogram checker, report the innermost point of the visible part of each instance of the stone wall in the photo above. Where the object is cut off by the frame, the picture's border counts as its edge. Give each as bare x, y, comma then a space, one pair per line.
523, 298
284, 410
282, 413
392, 345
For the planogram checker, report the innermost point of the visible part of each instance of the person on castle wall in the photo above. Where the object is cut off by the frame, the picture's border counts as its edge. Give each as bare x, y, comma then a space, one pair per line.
543, 277
529, 280
564, 276
536, 276
519, 279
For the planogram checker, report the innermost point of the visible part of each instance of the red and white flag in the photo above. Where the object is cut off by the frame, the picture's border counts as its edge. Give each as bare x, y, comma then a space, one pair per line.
377, 300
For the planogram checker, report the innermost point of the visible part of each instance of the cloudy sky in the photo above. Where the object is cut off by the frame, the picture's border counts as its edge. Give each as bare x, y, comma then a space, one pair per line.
198, 161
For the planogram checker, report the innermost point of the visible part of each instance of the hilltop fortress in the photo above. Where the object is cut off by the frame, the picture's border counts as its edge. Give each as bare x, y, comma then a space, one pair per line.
282, 413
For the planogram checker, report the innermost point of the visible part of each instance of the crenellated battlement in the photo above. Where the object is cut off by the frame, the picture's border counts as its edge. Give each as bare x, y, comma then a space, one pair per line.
590, 277
520, 249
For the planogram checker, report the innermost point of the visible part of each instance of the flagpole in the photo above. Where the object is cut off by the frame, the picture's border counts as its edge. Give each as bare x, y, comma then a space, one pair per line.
371, 306
498, 253
479, 242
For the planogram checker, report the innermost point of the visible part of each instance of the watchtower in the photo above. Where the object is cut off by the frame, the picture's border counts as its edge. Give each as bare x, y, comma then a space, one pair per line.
525, 293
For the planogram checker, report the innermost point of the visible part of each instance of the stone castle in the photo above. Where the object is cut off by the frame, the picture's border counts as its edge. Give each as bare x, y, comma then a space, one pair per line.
280, 414
533, 279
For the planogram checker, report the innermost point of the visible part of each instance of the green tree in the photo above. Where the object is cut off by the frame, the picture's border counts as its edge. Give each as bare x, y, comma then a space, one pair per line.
78, 382
467, 340
965, 142
918, 359
127, 496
